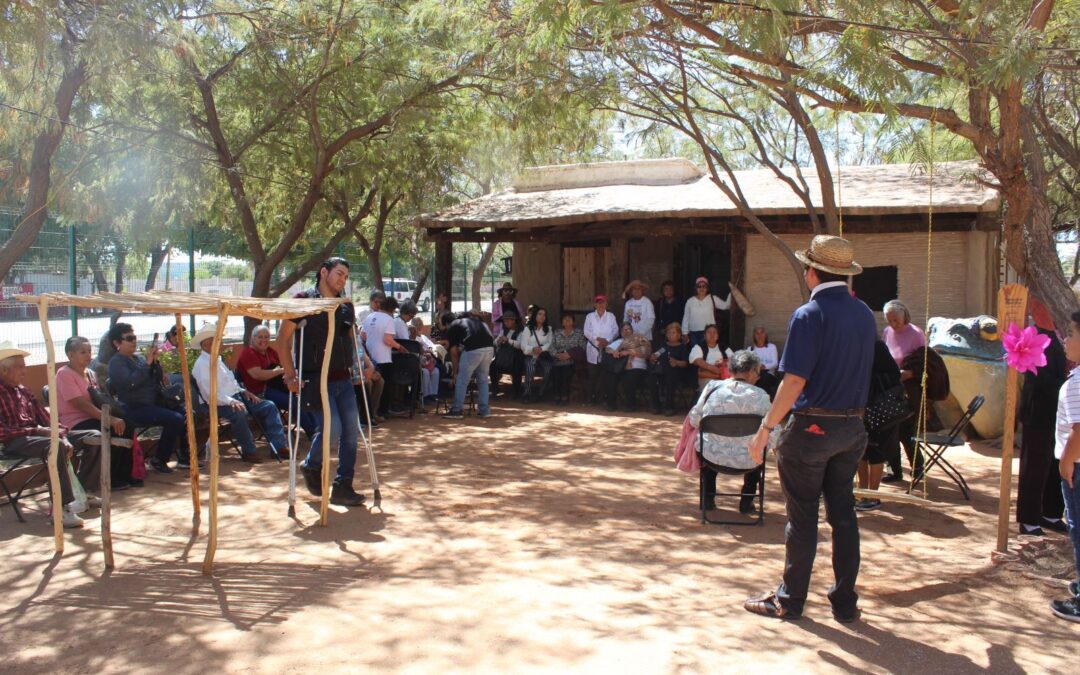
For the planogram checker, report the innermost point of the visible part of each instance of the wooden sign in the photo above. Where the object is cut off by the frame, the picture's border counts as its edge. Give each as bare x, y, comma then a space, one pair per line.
1012, 309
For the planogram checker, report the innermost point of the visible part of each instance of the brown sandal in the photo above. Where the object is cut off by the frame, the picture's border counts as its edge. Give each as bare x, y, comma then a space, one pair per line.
769, 605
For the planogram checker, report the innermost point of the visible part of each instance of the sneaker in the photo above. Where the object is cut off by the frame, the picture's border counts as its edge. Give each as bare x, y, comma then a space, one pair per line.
137, 483
343, 495
1031, 530
93, 501
846, 617
746, 504
483, 416
183, 464
892, 478
454, 415
313, 479
251, 459
1055, 524
159, 466
1065, 609
71, 520
867, 504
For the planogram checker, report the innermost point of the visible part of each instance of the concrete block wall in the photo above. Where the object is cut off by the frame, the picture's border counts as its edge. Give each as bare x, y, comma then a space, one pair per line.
959, 280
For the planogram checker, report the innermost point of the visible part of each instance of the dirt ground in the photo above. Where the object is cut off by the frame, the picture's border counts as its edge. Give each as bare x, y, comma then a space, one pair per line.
537, 540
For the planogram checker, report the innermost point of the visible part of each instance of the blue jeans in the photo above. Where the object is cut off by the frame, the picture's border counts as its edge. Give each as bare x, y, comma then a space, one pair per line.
269, 419
344, 431
1072, 514
172, 425
473, 362
309, 421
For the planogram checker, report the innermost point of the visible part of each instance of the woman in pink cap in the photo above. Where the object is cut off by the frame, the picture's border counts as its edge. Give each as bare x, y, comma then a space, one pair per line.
700, 311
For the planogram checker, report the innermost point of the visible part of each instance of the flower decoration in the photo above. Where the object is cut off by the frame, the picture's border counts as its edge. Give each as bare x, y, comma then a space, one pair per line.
1025, 350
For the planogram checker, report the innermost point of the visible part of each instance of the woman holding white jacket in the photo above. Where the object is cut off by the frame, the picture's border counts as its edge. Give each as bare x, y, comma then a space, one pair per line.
535, 344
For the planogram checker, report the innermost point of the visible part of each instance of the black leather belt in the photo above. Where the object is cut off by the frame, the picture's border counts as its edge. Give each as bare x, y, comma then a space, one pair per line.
830, 412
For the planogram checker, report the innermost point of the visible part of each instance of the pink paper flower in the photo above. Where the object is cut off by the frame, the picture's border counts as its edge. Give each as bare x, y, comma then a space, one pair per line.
1025, 349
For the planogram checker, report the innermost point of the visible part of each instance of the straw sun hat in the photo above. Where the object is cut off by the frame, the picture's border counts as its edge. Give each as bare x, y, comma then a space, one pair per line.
207, 331
830, 254
8, 349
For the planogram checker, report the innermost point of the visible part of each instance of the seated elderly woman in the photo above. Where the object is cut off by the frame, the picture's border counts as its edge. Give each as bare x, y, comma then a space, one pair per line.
430, 361
260, 370
76, 387
726, 397
637, 349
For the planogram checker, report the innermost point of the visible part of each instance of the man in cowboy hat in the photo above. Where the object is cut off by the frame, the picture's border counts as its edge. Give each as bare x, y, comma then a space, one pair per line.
506, 302
24, 425
826, 365
638, 310
234, 402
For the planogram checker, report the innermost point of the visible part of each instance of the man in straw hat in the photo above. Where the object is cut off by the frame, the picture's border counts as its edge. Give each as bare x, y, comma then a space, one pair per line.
24, 425
826, 365
236, 403
506, 302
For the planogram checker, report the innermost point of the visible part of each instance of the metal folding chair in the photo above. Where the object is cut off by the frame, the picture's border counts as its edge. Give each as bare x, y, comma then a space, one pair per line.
734, 425
935, 446
33, 469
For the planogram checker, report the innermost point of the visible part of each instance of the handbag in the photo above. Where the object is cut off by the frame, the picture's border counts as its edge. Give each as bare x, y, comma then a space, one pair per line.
887, 409
612, 364
171, 396
101, 398
505, 357
138, 460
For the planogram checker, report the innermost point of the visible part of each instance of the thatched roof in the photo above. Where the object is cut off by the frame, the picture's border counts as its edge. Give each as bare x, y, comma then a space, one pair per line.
173, 302
676, 188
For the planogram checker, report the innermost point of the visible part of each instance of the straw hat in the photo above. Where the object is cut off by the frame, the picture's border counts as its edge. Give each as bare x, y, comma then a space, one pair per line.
8, 349
636, 282
830, 254
507, 286
207, 331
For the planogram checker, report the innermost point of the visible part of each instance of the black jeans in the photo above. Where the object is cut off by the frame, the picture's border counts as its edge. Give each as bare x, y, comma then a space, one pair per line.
816, 456
119, 459
387, 372
561, 376
1038, 493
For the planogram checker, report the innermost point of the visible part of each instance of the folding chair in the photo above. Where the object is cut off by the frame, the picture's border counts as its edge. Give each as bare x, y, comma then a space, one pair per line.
935, 446
33, 468
407, 371
734, 425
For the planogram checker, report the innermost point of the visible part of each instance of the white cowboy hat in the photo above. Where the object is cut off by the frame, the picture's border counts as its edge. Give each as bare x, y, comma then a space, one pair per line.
830, 254
8, 349
207, 331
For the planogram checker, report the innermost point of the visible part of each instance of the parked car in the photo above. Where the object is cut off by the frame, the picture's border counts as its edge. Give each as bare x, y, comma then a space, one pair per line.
402, 289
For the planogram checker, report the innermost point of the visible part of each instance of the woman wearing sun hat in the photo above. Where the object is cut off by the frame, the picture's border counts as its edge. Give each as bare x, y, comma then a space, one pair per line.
700, 311
638, 310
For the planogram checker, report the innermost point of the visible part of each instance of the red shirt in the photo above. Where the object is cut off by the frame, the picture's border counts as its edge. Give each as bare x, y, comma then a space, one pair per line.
250, 358
20, 412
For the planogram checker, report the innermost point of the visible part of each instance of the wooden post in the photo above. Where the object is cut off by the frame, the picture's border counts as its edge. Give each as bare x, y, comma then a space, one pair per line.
215, 354
324, 392
444, 269
1012, 306
617, 271
189, 402
54, 429
737, 328
106, 486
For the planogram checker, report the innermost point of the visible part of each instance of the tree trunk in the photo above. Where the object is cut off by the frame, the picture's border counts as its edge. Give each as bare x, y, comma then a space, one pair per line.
478, 273
157, 259
421, 282
35, 210
121, 265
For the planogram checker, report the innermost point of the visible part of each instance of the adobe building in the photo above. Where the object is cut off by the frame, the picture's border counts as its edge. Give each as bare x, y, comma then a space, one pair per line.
582, 229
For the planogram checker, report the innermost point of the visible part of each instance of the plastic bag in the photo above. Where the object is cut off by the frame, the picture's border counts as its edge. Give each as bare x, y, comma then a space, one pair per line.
80, 504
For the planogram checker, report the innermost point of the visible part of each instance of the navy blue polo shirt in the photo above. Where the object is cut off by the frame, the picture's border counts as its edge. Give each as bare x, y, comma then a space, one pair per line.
830, 343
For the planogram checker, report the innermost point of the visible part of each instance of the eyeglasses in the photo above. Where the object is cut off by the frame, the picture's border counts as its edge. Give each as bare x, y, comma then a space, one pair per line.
129, 338
703, 285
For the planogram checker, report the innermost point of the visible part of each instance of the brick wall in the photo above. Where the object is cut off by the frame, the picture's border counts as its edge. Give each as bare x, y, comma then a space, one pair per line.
958, 282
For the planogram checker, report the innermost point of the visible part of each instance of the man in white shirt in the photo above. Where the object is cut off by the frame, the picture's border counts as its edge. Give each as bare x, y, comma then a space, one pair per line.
235, 403
639, 311
380, 333
601, 328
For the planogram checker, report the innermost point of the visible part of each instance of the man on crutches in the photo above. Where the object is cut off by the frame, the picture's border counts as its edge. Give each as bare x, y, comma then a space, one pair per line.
331, 279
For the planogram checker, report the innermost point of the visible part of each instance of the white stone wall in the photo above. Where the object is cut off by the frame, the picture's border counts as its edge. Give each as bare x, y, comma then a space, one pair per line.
958, 282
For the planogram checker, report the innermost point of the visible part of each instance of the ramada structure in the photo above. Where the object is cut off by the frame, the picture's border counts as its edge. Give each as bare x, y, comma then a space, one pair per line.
582, 229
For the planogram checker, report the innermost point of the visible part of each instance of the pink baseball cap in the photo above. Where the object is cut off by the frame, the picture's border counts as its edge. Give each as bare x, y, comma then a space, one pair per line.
701, 280
600, 298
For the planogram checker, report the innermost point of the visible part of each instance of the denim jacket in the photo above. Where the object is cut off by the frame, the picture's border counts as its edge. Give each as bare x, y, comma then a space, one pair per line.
130, 378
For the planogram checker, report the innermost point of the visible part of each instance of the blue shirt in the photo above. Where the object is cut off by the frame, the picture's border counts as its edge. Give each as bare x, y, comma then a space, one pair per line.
830, 343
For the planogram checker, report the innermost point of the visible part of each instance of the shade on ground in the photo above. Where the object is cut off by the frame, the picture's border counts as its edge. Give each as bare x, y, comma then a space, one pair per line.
533, 541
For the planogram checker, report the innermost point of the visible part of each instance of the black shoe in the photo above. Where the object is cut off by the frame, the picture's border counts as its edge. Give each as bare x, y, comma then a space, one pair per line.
1031, 530
1066, 609
892, 478
1055, 524
746, 504
769, 605
454, 415
343, 495
136, 483
867, 504
251, 459
313, 479
846, 617
1074, 589
710, 503
159, 466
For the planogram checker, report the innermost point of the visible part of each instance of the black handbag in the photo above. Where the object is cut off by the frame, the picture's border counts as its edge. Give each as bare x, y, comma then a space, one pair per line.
171, 396
505, 358
887, 409
613, 365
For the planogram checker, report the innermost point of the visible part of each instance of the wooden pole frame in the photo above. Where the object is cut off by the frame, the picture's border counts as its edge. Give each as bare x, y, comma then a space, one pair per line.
105, 459
54, 429
324, 393
215, 354
189, 416
1012, 308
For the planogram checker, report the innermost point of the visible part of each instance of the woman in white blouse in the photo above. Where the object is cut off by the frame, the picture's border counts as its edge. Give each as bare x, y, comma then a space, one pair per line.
700, 311
535, 342
766, 351
710, 358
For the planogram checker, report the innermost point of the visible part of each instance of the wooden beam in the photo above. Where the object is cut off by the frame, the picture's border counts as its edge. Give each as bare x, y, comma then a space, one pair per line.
444, 266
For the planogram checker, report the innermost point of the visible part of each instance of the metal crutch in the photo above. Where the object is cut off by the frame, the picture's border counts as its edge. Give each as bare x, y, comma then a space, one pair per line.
376, 495
294, 442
